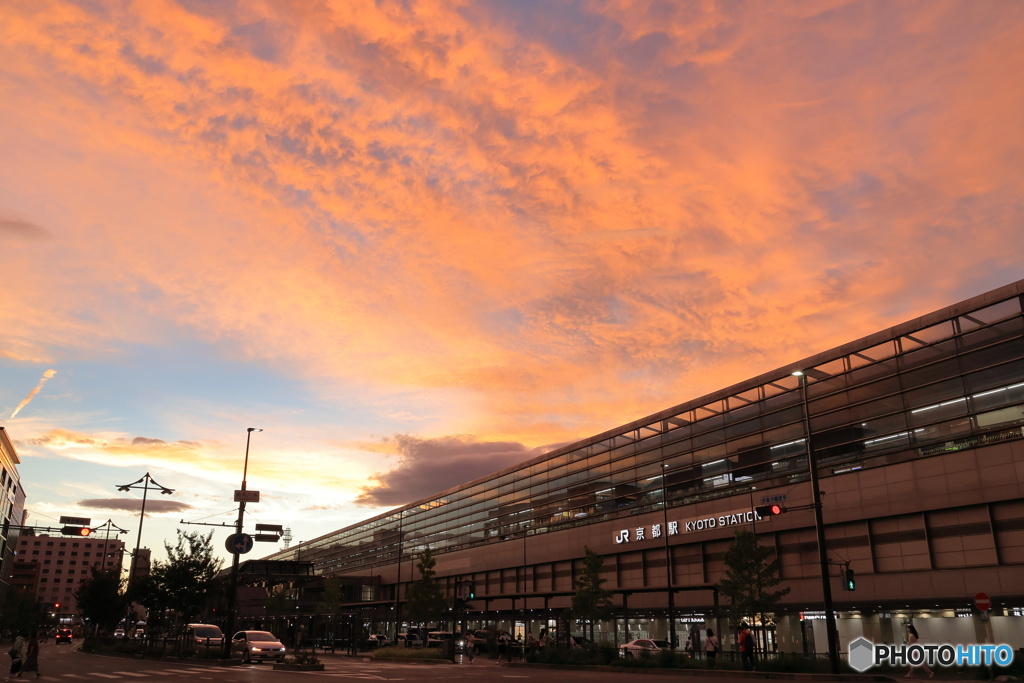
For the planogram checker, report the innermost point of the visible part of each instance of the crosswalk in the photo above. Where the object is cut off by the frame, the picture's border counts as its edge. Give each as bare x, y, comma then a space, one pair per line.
183, 672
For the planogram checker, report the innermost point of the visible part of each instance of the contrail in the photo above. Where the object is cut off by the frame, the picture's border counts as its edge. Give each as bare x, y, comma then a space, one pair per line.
32, 394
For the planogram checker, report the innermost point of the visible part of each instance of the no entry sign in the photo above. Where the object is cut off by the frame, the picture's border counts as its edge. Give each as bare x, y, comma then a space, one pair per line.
982, 602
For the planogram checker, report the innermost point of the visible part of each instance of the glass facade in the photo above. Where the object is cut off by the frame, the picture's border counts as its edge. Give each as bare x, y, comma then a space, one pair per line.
952, 380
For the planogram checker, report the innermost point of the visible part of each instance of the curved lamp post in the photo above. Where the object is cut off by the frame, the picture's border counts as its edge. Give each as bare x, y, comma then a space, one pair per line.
146, 480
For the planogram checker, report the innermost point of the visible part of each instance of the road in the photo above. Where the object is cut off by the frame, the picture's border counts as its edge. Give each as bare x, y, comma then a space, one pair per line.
66, 663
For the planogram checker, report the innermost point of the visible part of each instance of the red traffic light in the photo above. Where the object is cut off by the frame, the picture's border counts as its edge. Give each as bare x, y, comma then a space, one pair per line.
76, 531
769, 510
56, 605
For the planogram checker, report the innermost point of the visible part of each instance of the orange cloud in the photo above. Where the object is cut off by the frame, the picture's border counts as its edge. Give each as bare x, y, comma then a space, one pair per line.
551, 223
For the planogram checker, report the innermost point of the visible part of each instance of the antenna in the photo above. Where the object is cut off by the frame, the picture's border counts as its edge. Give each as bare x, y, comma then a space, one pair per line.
287, 537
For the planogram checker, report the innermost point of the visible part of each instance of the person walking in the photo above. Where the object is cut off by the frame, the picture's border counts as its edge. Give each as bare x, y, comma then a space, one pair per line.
503, 647
469, 648
31, 663
746, 647
711, 648
912, 638
17, 653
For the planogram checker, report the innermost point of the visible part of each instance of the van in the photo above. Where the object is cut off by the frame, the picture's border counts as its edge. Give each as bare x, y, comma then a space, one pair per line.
204, 638
437, 638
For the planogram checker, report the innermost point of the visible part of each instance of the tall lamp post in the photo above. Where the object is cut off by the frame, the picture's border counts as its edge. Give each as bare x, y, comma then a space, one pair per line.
669, 568
819, 528
233, 587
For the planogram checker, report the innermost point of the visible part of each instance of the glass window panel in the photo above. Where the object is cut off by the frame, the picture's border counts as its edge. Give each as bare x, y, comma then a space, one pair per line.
935, 393
709, 410
933, 334
993, 355
779, 402
991, 314
708, 425
999, 396
1001, 417
942, 431
938, 411
831, 368
871, 355
928, 354
743, 428
999, 376
931, 373
866, 392
988, 335
702, 440
746, 443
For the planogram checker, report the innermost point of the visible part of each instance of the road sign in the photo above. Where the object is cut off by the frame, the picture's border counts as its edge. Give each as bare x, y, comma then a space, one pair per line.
238, 544
267, 538
982, 602
76, 521
247, 496
270, 527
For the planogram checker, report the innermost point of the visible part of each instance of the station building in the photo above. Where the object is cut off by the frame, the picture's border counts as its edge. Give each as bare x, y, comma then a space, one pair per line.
916, 432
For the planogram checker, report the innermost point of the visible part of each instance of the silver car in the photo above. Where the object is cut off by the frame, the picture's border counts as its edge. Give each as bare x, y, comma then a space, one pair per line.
256, 646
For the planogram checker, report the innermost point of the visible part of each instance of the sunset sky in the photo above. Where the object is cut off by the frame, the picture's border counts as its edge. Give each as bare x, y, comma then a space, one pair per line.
417, 242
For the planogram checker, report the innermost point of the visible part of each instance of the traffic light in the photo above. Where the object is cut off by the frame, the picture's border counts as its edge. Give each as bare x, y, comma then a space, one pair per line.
56, 605
769, 510
472, 590
850, 583
76, 531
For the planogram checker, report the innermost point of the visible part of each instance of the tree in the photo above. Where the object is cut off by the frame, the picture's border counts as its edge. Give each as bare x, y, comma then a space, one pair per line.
332, 597
101, 598
592, 603
185, 582
751, 572
21, 613
425, 601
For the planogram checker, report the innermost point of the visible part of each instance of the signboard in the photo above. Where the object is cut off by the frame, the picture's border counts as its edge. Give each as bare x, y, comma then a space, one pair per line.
75, 521
267, 538
982, 602
276, 528
247, 496
238, 544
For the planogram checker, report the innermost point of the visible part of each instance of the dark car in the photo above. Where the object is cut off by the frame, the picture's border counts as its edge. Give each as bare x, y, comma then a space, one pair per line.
63, 635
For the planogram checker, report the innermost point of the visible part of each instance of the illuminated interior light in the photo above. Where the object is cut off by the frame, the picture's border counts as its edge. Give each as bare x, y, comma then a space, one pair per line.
788, 443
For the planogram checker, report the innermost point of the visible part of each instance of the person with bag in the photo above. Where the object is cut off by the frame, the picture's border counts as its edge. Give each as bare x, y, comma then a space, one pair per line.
711, 648
17, 653
746, 647
912, 638
30, 664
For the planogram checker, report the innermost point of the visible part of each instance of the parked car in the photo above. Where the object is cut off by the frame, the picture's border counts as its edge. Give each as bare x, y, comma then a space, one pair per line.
257, 646
409, 640
436, 638
643, 646
63, 635
205, 637
377, 640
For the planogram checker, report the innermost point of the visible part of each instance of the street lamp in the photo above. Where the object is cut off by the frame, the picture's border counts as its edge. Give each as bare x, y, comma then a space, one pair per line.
233, 588
146, 480
819, 528
668, 559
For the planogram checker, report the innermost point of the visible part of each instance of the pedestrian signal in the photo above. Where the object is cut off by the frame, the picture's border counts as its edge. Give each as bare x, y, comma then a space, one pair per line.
76, 531
850, 581
769, 510
472, 590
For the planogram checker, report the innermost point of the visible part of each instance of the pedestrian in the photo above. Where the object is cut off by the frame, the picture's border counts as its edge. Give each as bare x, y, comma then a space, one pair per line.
711, 648
531, 642
503, 647
31, 663
17, 653
912, 638
469, 647
746, 647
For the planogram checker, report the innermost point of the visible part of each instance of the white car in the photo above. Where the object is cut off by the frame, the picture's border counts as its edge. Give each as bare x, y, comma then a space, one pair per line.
256, 646
643, 646
119, 633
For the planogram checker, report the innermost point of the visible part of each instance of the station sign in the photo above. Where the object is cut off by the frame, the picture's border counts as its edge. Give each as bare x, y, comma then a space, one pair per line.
247, 496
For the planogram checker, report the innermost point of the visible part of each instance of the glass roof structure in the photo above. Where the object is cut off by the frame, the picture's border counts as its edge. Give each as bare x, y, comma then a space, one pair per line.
950, 380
